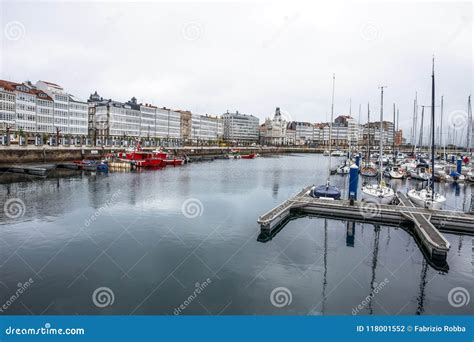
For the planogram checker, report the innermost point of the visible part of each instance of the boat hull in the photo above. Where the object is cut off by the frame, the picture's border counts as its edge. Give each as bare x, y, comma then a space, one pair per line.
424, 202
373, 195
152, 162
248, 156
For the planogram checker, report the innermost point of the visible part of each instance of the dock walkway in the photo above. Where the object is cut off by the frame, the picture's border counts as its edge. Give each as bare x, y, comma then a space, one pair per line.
432, 239
427, 222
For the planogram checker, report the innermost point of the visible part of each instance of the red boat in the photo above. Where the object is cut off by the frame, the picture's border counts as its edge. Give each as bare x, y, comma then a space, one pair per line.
152, 159
248, 156
149, 162
174, 162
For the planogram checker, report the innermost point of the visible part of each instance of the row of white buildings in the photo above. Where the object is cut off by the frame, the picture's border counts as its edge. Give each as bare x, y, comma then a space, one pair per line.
44, 113
346, 131
39, 110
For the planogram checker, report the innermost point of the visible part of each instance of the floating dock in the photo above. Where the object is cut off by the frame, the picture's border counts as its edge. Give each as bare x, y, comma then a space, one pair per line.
426, 223
34, 170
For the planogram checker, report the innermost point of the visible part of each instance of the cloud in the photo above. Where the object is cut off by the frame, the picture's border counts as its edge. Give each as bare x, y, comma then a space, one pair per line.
250, 57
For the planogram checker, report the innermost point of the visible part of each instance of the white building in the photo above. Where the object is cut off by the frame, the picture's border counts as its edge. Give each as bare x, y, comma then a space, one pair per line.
240, 127
304, 132
70, 113
7, 105
77, 120
275, 130
113, 122
168, 124
205, 127
25, 108
44, 113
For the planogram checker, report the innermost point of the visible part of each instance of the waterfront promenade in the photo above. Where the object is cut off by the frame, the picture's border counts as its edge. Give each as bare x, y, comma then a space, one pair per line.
14, 154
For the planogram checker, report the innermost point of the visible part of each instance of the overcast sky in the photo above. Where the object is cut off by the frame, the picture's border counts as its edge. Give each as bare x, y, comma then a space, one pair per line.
251, 57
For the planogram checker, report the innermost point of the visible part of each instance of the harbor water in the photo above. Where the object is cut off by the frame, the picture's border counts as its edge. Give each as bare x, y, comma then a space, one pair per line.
183, 240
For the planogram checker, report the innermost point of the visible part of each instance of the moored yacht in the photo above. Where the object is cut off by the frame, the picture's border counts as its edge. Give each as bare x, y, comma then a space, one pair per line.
379, 193
426, 199
328, 191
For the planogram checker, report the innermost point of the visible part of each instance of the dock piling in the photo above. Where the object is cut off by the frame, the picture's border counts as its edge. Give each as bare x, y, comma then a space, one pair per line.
353, 182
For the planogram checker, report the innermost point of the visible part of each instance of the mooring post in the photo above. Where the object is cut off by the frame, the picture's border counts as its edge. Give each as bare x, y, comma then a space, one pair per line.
459, 165
353, 182
358, 160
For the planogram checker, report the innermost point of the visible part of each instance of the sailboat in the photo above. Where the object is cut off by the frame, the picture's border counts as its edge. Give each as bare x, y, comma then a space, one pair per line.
367, 170
379, 193
428, 198
328, 191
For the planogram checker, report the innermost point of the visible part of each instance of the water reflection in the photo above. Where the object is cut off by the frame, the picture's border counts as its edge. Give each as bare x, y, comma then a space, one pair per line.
374, 264
161, 248
421, 297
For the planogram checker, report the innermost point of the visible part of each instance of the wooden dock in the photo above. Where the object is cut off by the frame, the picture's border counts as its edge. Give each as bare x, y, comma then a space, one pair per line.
426, 223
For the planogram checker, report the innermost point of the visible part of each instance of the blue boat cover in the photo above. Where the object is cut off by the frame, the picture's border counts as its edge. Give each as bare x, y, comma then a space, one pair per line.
329, 191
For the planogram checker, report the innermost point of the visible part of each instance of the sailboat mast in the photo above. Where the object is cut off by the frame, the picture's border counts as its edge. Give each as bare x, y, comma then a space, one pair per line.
381, 134
421, 128
413, 128
442, 139
432, 130
393, 135
368, 136
330, 124
469, 125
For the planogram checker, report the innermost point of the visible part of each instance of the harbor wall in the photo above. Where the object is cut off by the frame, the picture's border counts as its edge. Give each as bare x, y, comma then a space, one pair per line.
33, 154
11, 154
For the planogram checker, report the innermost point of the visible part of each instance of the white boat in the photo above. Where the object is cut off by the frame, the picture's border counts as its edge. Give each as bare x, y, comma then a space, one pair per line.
326, 153
455, 177
428, 198
377, 193
328, 191
369, 172
343, 170
470, 176
420, 173
439, 170
424, 198
395, 173
338, 153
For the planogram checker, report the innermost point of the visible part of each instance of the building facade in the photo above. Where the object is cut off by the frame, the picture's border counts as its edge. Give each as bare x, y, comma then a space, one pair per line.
40, 113
240, 128
205, 128
121, 123
275, 130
